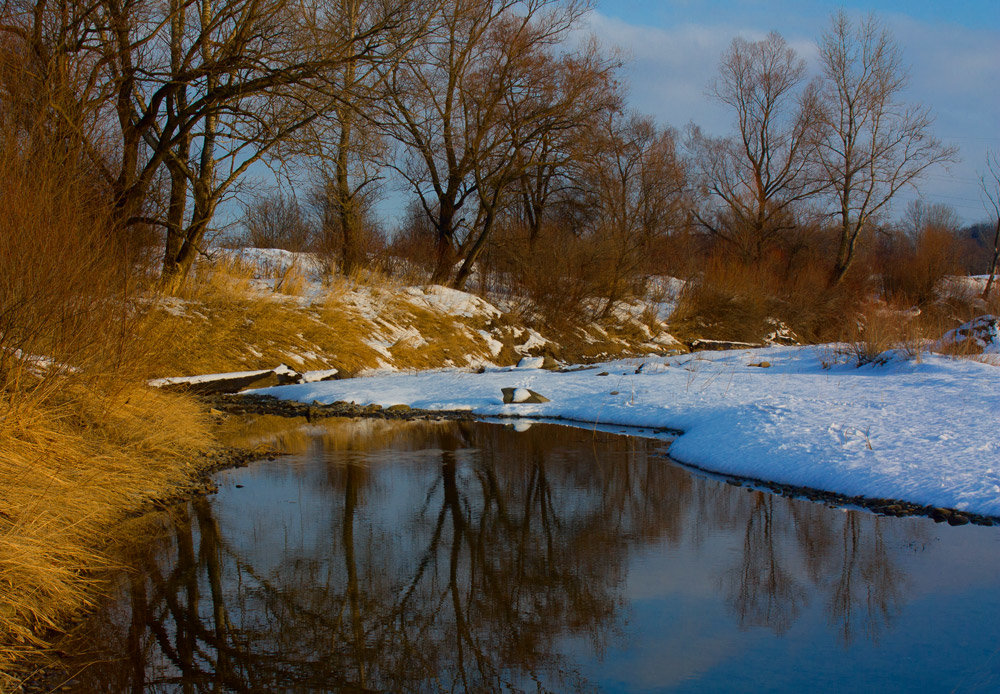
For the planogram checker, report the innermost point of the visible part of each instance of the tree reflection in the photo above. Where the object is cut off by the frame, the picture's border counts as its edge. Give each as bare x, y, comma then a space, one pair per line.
763, 592
464, 568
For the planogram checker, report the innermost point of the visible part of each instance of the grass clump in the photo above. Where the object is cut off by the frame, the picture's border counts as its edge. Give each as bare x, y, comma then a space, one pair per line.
70, 469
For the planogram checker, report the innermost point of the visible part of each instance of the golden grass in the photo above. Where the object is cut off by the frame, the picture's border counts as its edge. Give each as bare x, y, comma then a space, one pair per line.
70, 469
221, 323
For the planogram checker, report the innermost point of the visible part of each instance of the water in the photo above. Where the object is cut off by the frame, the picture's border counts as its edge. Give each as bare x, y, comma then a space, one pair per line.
455, 556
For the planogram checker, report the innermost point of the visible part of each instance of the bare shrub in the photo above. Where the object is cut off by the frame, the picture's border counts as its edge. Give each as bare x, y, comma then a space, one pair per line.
880, 328
737, 301
911, 271
278, 221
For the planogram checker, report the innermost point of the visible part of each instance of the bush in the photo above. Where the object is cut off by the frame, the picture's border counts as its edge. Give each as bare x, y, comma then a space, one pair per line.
735, 301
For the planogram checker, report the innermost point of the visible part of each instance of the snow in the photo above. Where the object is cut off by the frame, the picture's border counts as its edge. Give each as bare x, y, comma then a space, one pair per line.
275, 260
453, 301
281, 369
982, 334
926, 431
521, 394
530, 363
318, 375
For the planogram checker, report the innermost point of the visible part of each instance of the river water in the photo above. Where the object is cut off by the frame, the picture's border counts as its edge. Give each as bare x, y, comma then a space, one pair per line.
460, 556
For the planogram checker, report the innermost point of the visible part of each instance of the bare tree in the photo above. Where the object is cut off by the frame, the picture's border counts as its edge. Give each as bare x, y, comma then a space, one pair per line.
205, 88
545, 97
633, 194
346, 147
990, 182
277, 221
921, 215
448, 104
760, 173
871, 144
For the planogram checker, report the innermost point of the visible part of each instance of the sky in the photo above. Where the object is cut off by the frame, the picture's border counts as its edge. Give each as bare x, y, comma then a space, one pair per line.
952, 50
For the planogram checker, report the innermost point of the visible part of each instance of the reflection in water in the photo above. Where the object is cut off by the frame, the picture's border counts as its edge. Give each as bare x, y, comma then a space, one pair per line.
462, 557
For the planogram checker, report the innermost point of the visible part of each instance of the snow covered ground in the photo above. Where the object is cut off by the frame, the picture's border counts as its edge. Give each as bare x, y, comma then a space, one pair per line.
927, 430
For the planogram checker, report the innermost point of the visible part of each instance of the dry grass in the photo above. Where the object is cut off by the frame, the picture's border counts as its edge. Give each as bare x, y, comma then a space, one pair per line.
81, 444
69, 469
880, 329
221, 322
736, 302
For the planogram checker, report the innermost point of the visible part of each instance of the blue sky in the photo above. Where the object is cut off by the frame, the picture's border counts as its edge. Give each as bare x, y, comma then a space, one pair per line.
953, 50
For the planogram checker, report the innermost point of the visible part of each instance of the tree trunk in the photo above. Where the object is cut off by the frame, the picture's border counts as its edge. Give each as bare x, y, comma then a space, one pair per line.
473, 255
177, 206
993, 262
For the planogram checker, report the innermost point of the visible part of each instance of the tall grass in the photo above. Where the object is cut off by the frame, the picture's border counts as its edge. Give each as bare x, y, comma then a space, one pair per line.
81, 440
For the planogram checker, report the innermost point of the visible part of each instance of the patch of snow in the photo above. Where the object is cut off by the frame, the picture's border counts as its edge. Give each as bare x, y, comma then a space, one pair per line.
520, 395
530, 363
174, 305
962, 285
534, 340
203, 378
318, 375
268, 261
493, 345
780, 333
924, 431
980, 335
453, 302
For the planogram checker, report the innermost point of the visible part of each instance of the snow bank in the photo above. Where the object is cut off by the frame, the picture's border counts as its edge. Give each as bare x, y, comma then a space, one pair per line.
453, 301
927, 432
271, 260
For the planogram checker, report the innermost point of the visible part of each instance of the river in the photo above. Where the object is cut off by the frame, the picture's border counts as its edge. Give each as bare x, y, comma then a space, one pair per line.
467, 556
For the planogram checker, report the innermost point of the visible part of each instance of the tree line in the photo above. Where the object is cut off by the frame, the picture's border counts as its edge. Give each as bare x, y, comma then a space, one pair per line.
509, 129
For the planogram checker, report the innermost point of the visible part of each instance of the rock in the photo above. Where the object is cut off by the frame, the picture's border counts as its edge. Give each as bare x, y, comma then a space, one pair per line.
940, 515
957, 519
481, 370
373, 407
548, 362
761, 364
604, 373
342, 374
398, 408
522, 396
614, 392
531, 363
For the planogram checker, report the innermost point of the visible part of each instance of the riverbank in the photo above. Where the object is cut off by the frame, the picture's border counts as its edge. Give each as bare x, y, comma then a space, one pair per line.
268, 405
923, 430
72, 471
